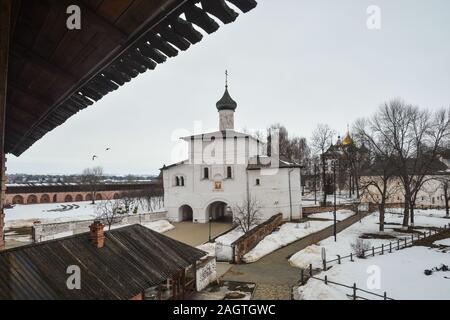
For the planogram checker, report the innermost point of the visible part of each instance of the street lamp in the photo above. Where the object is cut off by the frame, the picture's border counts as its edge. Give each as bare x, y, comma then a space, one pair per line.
210, 219
334, 195
315, 183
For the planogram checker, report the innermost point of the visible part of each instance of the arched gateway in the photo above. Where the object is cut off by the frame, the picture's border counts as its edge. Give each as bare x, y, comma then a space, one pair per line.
219, 211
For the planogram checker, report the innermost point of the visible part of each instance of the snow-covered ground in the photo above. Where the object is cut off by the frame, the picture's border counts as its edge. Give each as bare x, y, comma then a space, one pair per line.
290, 232
340, 215
368, 225
209, 247
160, 226
401, 277
26, 215
231, 236
445, 242
343, 198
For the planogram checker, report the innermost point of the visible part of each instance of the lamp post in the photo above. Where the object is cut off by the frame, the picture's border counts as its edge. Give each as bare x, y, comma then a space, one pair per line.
209, 227
315, 183
290, 194
334, 195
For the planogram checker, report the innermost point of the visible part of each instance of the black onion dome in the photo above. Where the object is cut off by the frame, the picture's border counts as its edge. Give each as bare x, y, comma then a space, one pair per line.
226, 102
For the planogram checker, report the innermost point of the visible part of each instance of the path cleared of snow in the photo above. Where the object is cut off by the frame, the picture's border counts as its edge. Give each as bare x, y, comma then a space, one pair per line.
291, 232
368, 225
401, 277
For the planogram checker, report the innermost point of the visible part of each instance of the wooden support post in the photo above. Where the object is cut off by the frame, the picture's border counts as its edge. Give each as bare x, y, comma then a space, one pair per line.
351, 256
390, 247
385, 295
354, 291
373, 251
339, 259
302, 278
326, 279
382, 249
310, 270
398, 244
324, 263
5, 30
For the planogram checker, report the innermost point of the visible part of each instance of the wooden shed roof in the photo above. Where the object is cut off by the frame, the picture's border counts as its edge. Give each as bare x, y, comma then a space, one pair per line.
133, 259
54, 72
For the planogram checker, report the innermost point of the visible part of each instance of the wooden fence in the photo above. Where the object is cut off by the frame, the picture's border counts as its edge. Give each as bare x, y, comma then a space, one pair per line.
354, 288
387, 248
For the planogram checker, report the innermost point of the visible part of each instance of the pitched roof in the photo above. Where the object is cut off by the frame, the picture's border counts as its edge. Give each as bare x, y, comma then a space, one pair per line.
265, 162
133, 259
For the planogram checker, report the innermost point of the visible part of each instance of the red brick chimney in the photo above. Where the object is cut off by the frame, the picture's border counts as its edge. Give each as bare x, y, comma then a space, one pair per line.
97, 235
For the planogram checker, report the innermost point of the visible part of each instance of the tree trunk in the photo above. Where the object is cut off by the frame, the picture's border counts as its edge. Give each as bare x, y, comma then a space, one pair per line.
411, 212
447, 209
324, 182
406, 214
381, 207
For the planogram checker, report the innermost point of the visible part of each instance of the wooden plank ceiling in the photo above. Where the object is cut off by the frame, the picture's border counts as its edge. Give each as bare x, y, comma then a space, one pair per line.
55, 72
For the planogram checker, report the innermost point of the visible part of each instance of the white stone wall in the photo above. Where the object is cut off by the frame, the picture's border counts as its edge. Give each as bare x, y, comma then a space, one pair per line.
217, 154
206, 274
226, 119
431, 193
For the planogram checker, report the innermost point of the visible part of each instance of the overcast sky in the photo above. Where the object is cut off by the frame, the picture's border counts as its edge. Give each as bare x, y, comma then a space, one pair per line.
296, 62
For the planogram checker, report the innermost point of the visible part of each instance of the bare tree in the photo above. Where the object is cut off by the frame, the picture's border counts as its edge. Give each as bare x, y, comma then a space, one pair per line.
110, 211
129, 200
379, 182
247, 214
322, 139
415, 137
92, 177
444, 182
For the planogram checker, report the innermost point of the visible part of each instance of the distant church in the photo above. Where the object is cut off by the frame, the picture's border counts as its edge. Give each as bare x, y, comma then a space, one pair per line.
225, 168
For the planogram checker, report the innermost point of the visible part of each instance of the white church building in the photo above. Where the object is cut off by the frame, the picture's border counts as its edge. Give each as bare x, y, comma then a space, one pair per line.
225, 168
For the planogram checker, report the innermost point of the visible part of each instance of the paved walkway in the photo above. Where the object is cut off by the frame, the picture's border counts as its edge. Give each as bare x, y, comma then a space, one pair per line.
195, 234
274, 270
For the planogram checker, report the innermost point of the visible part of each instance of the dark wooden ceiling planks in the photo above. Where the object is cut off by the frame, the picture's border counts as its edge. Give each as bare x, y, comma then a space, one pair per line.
54, 72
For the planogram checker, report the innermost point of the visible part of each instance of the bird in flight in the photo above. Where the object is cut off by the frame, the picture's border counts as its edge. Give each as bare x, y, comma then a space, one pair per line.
107, 149
93, 157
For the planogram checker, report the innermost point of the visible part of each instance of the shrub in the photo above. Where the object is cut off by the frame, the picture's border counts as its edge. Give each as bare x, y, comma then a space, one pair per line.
360, 247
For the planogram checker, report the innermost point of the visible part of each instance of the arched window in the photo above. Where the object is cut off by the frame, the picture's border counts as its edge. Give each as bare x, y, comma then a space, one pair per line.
205, 173
258, 182
182, 181
177, 181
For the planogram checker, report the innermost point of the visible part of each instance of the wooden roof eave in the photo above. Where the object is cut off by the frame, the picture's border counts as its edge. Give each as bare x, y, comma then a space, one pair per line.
164, 34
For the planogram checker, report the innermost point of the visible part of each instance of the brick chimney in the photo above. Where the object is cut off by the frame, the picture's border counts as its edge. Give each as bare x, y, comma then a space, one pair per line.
97, 235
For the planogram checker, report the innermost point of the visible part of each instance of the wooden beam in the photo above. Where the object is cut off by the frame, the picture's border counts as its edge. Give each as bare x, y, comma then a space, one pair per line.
5, 31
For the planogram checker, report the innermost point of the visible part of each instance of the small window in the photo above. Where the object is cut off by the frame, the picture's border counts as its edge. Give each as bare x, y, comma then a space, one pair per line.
229, 173
182, 181
205, 173
258, 182
218, 185
177, 181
